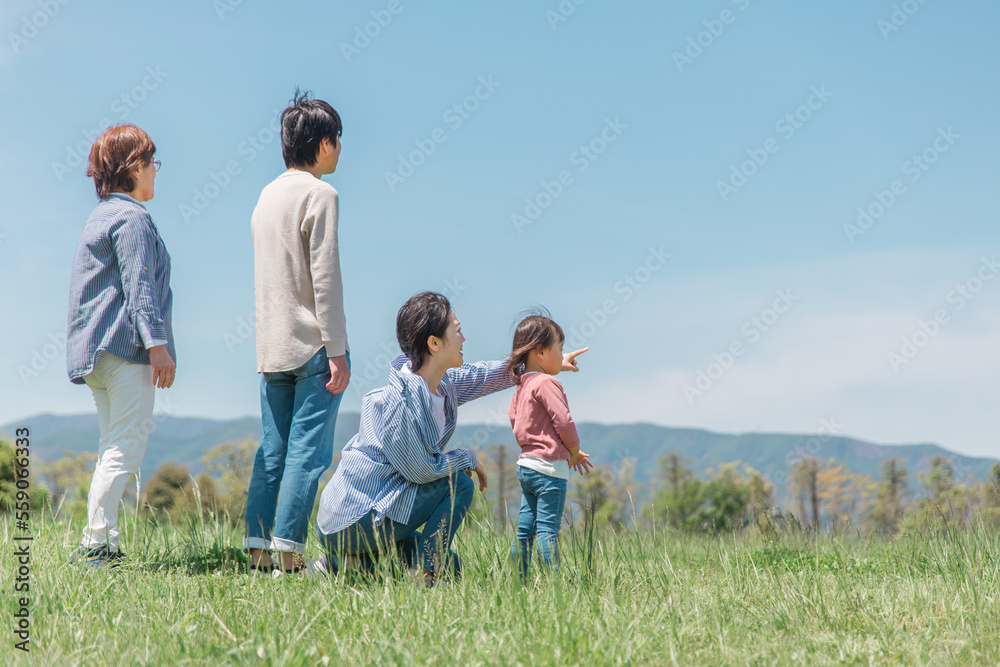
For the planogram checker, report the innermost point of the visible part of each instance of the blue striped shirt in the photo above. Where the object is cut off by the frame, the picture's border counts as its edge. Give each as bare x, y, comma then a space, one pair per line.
400, 446
119, 295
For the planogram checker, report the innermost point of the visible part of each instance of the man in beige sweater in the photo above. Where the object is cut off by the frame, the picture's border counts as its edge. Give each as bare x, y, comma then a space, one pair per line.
302, 350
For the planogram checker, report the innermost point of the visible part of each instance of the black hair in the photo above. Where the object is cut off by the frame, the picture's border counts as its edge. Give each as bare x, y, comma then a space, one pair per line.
305, 123
537, 330
422, 316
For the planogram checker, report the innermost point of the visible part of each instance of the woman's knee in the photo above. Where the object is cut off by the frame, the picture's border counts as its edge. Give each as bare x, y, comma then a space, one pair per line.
465, 488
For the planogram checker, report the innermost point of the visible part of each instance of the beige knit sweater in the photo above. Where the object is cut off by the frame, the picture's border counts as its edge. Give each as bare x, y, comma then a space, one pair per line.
298, 289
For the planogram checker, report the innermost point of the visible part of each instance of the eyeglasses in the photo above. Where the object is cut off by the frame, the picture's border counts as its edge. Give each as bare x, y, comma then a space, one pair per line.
156, 164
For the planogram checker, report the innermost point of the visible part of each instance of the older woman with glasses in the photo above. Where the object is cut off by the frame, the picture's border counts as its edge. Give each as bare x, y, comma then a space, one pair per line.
119, 340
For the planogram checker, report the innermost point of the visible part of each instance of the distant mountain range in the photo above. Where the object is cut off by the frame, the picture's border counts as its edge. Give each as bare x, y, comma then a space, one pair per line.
185, 439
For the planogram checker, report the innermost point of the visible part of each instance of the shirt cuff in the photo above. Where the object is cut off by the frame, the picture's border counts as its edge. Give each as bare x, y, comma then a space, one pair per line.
146, 334
473, 460
335, 348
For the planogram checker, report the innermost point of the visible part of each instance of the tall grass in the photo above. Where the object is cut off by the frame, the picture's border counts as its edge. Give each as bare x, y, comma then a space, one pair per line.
637, 597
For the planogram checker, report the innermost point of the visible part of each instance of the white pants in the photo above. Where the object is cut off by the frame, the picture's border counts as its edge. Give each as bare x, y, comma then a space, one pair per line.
124, 395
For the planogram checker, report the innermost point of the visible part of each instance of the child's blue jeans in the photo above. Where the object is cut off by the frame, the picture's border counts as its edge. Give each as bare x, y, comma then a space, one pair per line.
543, 499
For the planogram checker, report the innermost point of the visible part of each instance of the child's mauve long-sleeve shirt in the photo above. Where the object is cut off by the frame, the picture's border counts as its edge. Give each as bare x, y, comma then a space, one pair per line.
539, 415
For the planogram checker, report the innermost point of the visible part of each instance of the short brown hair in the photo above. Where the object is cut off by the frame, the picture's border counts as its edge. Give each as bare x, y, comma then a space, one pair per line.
115, 155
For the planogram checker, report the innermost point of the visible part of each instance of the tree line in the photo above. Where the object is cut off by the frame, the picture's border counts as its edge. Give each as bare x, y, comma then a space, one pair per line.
820, 494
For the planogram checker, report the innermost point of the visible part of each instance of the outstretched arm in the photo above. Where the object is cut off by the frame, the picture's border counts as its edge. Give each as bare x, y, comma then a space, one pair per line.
480, 379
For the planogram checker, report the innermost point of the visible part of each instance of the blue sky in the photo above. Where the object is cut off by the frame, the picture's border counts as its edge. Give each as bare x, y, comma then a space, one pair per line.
619, 124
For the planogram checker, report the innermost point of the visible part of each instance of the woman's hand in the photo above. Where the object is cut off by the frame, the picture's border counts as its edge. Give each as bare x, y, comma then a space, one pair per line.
580, 462
569, 360
480, 473
163, 366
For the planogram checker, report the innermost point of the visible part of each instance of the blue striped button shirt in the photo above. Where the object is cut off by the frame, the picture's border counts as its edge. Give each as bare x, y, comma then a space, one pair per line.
400, 447
119, 296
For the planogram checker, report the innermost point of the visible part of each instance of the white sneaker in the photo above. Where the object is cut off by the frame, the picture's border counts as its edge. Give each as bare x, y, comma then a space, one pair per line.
323, 567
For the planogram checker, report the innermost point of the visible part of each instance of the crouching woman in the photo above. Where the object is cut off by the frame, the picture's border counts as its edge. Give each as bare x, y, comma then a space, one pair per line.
394, 475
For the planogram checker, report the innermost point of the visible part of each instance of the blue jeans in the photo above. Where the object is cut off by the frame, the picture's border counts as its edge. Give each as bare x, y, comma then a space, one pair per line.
441, 505
543, 499
299, 416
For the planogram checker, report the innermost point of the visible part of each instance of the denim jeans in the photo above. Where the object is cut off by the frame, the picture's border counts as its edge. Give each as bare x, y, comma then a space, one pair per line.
299, 416
543, 499
434, 504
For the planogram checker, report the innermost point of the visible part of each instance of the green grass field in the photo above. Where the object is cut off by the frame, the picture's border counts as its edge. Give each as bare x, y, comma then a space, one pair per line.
634, 598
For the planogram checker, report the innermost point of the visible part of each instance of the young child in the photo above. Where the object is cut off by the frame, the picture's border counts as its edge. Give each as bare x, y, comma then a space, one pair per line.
544, 429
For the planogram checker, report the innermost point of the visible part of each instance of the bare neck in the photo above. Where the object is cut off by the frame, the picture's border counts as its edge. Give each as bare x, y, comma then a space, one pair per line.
432, 373
532, 366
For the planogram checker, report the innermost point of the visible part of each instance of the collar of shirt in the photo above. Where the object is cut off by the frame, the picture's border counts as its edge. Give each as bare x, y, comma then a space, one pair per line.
122, 195
417, 396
